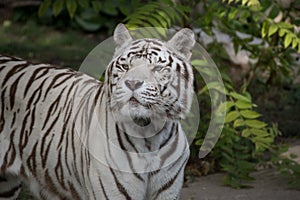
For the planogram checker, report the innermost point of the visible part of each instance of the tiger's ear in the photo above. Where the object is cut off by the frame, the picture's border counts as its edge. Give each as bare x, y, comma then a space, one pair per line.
183, 42
121, 35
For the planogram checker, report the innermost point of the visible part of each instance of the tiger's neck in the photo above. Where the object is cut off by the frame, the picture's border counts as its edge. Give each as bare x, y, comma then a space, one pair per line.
123, 145
141, 140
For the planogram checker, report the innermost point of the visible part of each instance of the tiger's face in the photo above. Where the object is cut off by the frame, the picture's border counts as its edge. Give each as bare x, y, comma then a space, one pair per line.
148, 78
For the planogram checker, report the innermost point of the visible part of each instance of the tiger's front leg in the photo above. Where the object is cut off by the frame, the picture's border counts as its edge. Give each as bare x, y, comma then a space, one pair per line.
169, 186
166, 183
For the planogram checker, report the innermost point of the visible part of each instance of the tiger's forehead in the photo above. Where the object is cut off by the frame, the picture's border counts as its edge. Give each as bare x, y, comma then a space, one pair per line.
152, 50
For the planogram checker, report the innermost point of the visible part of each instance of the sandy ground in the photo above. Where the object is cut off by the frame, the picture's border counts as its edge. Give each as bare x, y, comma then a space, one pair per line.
269, 185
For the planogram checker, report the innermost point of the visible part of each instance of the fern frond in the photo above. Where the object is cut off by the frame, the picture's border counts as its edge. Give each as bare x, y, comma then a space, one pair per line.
249, 3
161, 14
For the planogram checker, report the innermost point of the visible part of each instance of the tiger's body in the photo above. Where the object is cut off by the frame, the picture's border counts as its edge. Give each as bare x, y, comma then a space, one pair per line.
68, 136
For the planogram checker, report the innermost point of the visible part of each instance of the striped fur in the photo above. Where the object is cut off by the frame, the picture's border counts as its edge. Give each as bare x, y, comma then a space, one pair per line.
68, 136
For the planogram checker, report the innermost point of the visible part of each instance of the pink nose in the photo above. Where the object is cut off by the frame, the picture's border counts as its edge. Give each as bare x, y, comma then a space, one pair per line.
133, 84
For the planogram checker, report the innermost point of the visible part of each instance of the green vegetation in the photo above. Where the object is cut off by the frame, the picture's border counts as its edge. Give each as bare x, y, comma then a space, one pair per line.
43, 44
248, 137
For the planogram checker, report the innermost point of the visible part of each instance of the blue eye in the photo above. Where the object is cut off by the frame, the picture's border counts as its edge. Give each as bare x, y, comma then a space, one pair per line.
157, 68
125, 67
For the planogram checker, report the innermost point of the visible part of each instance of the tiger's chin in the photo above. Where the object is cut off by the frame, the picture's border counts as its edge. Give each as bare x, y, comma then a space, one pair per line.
136, 114
142, 120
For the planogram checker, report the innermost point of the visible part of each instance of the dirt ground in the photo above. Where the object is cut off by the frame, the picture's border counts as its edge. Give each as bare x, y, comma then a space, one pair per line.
268, 186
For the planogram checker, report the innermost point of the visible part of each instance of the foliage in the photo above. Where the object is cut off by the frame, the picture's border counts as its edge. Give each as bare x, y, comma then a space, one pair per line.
43, 44
164, 14
245, 2
88, 15
290, 169
244, 137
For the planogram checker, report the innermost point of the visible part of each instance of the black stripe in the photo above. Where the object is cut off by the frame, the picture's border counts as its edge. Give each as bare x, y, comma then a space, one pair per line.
186, 74
45, 135
127, 153
37, 91
51, 185
13, 120
2, 119
171, 133
53, 108
2, 67
14, 70
59, 172
55, 78
66, 151
23, 141
74, 193
154, 41
167, 185
67, 116
3, 179
11, 192
128, 140
4, 60
121, 188
31, 160
13, 90
13, 151
102, 187
33, 78
63, 81
171, 148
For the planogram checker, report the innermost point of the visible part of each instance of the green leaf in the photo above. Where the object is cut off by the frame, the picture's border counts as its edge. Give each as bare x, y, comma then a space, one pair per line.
295, 43
287, 40
71, 6
227, 157
285, 25
224, 106
273, 28
246, 133
238, 123
282, 32
87, 25
264, 29
229, 105
58, 6
227, 149
240, 97
259, 132
231, 116
249, 114
44, 7
243, 104
97, 5
83, 3
255, 123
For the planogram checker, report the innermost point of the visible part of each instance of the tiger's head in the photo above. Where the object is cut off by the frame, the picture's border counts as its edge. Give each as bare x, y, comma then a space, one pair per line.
148, 77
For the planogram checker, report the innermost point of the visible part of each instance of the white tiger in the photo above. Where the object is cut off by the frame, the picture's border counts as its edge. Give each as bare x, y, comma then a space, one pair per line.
69, 136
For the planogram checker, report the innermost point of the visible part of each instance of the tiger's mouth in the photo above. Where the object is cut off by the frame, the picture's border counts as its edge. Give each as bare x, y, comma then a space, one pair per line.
134, 102
135, 105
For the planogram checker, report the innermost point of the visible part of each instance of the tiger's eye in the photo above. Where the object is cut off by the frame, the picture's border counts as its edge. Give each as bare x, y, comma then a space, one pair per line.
125, 67
157, 68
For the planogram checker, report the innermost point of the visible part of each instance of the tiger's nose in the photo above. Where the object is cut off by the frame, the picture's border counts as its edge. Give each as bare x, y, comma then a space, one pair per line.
133, 84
